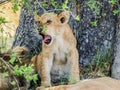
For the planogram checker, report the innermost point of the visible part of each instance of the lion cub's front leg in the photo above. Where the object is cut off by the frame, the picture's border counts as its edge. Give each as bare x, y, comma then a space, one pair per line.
44, 65
74, 65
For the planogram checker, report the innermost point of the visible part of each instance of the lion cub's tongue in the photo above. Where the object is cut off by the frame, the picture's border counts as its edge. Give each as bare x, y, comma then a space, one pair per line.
47, 39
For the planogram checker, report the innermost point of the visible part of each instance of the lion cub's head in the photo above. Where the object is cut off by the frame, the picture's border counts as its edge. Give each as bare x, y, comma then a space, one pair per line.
51, 25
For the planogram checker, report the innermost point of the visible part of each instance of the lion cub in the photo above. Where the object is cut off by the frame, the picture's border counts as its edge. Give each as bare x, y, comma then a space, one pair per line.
58, 60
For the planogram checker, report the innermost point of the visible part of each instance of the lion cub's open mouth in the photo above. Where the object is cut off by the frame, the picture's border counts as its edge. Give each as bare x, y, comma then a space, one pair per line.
46, 38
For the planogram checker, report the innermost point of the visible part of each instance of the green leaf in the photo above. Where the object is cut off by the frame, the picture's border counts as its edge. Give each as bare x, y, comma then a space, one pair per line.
35, 78
64, 6
17, 71
115, 12
113, 1
15, 7
2, 20
94, 23
13, 58
95, 5
77, 18
5, 74
44, 4
91, 4
54, 3
13, 83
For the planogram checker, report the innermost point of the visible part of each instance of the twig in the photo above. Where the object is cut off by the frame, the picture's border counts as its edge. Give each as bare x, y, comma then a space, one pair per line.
9, 67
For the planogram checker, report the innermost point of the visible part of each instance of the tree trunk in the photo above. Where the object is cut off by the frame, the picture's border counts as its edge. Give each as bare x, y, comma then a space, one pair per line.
26, 35
116, 63
95, 38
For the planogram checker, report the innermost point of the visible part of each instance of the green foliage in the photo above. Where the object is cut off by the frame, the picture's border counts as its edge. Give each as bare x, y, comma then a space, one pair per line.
3, 44
64, 5
77, 18
54, 3
26, 71
113, 1
13, 58
95, 5
94, 23
18, 3
115, 12
2, 39
2, 20
6, 74
13, 83
15, 7
44, 4
22, 70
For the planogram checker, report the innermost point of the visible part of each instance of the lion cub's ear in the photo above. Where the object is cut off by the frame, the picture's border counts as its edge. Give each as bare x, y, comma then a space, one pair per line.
64, 17
36, 17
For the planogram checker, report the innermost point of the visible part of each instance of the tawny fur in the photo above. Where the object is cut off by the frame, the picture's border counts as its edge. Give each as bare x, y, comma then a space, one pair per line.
104, 83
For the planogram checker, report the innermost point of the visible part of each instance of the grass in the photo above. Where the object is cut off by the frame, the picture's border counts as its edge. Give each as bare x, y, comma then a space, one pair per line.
99, 66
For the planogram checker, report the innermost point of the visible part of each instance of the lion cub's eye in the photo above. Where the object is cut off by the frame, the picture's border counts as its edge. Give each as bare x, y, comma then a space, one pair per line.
48, 22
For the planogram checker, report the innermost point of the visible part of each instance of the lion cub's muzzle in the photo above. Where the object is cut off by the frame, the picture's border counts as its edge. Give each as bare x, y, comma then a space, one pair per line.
46, 38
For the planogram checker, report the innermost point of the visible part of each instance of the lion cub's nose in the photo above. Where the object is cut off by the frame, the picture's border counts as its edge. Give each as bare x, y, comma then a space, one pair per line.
20, 51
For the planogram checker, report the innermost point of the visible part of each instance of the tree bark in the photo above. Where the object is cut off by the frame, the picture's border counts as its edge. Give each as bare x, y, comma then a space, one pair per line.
92, 39
26, 33
116, 63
